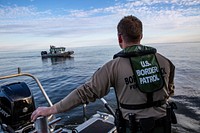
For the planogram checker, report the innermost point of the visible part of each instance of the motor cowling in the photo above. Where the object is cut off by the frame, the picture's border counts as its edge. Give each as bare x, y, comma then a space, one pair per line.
43, 52
16, 105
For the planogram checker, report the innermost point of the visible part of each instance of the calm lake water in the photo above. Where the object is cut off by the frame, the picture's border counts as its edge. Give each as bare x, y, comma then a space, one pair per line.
59, 76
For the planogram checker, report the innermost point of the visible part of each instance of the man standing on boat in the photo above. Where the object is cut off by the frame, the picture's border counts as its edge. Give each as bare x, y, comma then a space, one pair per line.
143, 80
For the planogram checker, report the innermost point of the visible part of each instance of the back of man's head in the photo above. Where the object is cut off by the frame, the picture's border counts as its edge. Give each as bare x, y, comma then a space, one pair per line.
130, 27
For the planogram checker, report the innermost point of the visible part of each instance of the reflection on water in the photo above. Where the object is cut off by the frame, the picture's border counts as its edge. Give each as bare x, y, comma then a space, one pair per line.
56, 60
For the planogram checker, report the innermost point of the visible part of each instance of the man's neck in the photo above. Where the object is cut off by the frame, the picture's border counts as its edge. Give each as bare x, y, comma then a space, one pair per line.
131, 44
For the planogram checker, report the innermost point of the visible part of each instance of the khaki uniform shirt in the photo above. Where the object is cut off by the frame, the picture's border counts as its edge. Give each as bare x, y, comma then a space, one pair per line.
115, 74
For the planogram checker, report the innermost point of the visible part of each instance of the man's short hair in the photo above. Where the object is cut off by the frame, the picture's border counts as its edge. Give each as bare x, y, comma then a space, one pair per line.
130, 27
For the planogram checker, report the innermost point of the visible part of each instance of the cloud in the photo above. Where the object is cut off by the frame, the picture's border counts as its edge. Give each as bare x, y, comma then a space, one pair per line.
147, 10
163, 16
16, 12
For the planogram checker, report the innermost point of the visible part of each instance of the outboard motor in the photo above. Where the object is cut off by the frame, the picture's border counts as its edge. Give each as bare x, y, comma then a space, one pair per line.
43, 52
16, 107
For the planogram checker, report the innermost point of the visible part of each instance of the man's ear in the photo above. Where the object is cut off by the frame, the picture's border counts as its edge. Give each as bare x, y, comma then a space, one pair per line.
120, 38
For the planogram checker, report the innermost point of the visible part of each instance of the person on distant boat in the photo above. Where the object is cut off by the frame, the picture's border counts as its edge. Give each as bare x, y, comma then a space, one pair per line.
143, 81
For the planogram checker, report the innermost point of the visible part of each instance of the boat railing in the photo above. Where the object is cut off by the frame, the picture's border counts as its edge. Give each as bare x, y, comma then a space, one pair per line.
45, 94
29, 75
52, 119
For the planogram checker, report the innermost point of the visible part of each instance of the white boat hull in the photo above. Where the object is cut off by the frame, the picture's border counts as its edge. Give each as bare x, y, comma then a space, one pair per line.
65, 54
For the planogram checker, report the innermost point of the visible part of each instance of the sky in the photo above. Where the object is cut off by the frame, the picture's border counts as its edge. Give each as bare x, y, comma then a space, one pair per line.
37, 24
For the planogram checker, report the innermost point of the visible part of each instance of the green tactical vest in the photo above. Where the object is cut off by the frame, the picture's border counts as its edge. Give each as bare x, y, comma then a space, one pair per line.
145, 67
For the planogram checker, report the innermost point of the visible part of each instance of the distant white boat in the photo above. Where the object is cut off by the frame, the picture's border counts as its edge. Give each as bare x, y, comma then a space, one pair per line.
57, 52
